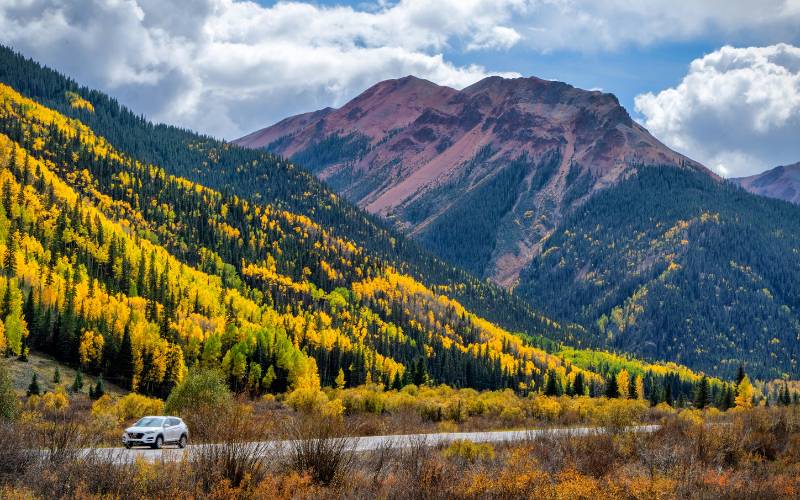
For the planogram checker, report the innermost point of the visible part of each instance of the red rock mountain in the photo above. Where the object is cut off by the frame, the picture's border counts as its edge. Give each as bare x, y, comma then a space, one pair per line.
780, 182
481, 175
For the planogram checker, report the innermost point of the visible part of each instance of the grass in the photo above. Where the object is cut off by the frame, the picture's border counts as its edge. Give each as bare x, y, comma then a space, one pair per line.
45, 366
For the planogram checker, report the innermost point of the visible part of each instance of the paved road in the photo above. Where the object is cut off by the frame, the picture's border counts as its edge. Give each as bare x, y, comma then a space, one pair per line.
358, 444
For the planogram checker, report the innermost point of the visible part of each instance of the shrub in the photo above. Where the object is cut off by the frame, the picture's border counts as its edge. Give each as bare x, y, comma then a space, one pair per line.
239, 453
201, 387
313, 401
56, 401
545, 408
129, 407
9, 402
319, 446
469, 452
616, 414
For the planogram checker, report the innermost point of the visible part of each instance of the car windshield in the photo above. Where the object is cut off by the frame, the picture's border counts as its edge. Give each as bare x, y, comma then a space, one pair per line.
149, 422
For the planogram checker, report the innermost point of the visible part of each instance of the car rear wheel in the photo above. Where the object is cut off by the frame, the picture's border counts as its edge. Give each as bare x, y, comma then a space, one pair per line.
182, 441
159, 443
128, 446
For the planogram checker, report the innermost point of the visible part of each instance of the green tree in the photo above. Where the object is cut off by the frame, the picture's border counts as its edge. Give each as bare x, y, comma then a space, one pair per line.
579, 387
99, 389
77, 385
33, 387
57, 376
202, 388
125, 358
702, 396
553, 386
10, 257
612, 390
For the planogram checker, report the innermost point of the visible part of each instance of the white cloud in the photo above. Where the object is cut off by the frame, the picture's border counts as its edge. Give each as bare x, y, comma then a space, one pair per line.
227, 67
591, 25
737, 109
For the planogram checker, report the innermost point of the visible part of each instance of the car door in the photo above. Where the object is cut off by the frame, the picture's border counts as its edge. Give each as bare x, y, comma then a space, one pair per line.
171, 430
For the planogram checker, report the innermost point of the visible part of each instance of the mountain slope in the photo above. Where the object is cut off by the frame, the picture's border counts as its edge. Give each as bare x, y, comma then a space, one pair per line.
480, 175
671, 264
114, 265
264, 178
781, 182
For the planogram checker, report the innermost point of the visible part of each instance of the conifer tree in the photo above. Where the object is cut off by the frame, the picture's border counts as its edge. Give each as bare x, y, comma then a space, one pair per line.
612, 390
578, 388
77, 385
702, 396
740, 374
57, 376
33, 388
99, 389
10, 257
125, 360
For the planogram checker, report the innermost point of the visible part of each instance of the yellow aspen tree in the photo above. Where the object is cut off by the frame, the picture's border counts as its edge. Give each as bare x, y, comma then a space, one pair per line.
744, 393
623, 383
340, 379
639, 387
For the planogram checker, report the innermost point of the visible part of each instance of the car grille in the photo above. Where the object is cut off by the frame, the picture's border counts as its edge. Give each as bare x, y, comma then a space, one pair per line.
135, 435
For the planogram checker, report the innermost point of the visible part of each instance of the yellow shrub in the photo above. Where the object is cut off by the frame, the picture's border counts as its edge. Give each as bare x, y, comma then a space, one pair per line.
307, 400
469, 452
691, 417
617, 413
133, 406
55, 401
545, 408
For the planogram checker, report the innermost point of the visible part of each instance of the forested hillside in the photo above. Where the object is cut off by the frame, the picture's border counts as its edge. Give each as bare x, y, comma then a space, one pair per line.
260, 177
121, 268
114, 265
674, 265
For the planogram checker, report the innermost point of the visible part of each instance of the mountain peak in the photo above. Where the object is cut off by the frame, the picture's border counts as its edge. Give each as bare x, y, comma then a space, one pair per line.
418, 153
781, 182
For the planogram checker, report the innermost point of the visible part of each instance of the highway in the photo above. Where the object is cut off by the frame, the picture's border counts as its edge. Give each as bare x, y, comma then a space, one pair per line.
355, 444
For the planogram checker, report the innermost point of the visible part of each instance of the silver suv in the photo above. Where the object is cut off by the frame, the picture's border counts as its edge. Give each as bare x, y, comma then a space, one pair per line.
154, 431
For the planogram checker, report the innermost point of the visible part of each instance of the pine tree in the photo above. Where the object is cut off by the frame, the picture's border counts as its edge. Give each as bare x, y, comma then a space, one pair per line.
5, 305
10, 257
125, 361
57, 376
702, 396
578, 388
740, 374
33, 388
553, 387
612, 390
77, 385
99, 389
397, 384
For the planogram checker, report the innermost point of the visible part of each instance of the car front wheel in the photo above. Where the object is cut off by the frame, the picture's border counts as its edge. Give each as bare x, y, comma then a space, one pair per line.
159, 443
128, 446
182, 441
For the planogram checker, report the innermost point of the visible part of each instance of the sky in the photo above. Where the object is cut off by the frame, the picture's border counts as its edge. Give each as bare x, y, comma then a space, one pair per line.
718, 80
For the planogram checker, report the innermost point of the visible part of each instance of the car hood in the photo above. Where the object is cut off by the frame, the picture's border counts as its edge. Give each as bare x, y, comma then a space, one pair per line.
143, 429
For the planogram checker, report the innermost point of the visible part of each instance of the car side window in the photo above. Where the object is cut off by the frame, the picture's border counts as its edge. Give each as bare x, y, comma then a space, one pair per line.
173, 422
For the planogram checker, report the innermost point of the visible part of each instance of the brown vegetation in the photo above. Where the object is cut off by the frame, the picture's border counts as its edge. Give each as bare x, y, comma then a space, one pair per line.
742, 453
